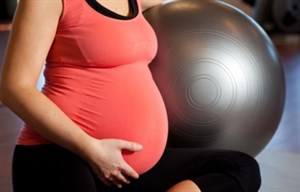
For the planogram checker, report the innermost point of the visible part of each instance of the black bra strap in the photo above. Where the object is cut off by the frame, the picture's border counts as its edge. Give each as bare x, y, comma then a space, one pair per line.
103, 10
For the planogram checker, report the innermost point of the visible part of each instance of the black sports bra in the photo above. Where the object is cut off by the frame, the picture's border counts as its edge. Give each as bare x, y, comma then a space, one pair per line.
103, 10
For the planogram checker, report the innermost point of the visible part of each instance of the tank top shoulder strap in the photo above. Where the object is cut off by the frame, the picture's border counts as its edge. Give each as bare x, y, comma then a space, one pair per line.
139, 5
72, 10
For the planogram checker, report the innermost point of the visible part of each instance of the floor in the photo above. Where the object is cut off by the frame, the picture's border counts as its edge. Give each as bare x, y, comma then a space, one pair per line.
280, 160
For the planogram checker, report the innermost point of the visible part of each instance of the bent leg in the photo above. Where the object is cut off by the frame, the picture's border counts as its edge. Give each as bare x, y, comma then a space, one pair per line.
50, 168
230, 171
210, 170
184, 186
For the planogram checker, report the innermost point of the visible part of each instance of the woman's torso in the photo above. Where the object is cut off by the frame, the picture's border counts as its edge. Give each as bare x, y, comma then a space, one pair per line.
97, 73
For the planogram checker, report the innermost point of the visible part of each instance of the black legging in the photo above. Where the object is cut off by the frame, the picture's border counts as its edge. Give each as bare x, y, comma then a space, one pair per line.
50, 168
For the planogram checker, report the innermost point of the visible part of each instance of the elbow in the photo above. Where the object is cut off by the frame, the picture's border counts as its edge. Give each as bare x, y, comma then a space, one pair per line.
1, 92
4, 92
0, 95
16, 86
10, 92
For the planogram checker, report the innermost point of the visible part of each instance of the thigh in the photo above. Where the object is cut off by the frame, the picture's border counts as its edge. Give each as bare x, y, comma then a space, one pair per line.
181, 164
50, 168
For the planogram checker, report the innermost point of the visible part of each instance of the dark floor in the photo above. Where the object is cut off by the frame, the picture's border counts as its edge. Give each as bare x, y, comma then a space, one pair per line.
289, 129
280, 160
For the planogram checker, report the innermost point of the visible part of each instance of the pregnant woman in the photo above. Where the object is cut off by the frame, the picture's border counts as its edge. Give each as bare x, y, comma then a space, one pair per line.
99, 123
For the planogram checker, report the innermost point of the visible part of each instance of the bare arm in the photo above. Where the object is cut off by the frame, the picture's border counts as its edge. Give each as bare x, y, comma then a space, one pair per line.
32, 34
33, 31
149, 3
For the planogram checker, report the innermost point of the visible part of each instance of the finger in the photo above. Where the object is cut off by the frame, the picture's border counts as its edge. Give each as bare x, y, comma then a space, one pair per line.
115, 181
123, 179
131, 146
129, 171
117, 175
104, 179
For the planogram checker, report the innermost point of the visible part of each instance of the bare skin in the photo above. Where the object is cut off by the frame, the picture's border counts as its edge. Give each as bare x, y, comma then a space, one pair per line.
185, 186
150, 3
32, 34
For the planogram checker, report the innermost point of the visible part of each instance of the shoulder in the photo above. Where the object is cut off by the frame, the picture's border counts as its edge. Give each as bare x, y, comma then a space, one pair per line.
147, 3
48, 8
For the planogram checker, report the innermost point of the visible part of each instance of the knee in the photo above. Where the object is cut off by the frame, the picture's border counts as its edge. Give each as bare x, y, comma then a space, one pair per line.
249, 172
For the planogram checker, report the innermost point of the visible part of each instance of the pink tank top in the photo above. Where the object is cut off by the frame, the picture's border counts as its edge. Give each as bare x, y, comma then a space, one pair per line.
97, 73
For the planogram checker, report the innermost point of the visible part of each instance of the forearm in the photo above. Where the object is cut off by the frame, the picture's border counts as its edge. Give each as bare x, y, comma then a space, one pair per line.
42, 115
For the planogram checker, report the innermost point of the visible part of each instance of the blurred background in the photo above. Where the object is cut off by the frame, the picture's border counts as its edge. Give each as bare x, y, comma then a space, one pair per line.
280, 160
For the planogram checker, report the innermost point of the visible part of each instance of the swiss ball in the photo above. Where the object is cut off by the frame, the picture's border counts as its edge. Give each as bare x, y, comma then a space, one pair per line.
219, 75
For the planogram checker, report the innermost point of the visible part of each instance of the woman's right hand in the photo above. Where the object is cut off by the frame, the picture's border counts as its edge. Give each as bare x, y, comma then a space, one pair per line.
106, 160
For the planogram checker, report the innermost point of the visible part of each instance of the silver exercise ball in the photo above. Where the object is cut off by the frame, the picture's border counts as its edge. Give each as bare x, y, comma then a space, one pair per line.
219, 75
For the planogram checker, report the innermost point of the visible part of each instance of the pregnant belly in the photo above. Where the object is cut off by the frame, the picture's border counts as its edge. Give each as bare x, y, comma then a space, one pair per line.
121, 103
